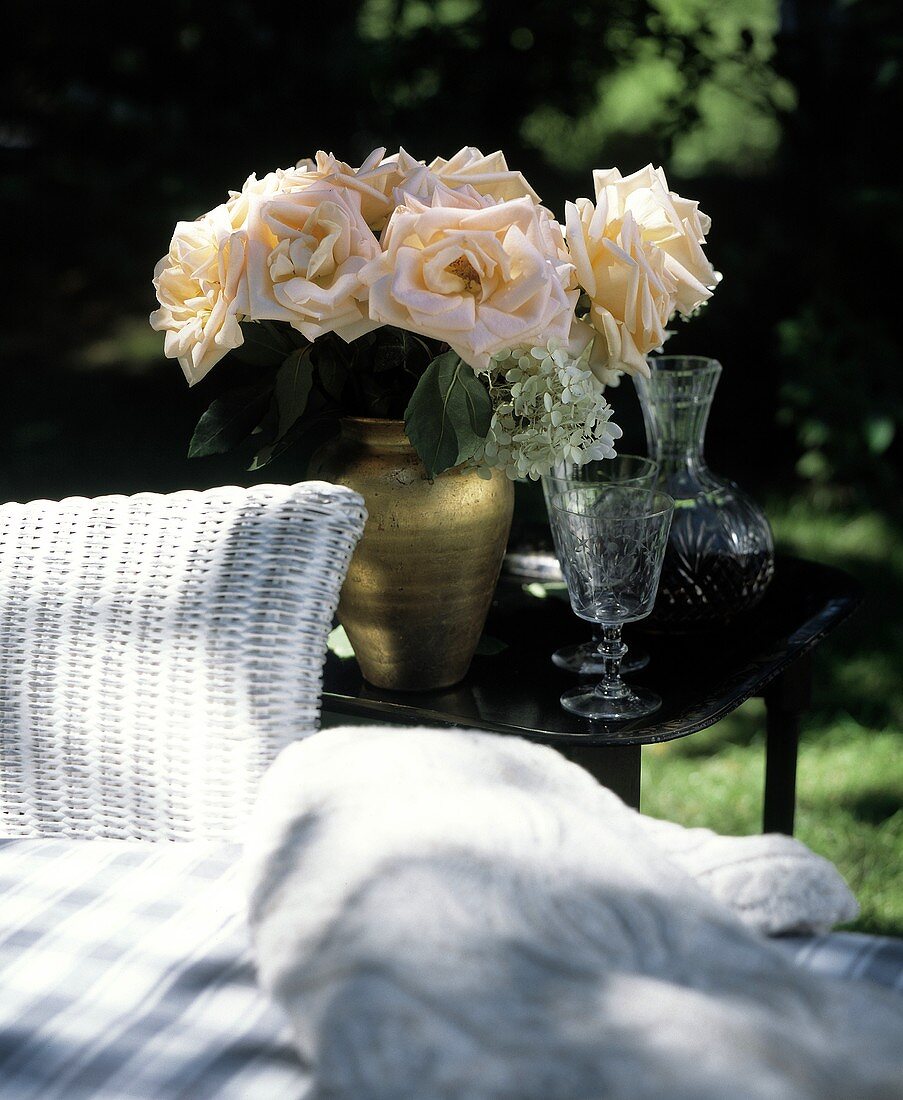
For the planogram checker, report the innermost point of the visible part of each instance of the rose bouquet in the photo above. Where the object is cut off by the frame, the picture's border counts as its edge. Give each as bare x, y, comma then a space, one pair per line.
445, 294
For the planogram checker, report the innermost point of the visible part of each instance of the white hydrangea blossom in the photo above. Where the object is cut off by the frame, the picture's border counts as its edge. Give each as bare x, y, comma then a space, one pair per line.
547, 407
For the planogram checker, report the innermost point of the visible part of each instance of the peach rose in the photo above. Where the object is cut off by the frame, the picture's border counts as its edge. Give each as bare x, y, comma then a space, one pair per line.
631, 293
279, 182
477, 274
580, 337
469, 168
674, 225
306, 249
197, 285
372, 181
638, 256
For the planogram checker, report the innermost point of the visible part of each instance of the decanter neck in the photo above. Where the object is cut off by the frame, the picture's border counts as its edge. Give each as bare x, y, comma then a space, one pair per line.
675, 401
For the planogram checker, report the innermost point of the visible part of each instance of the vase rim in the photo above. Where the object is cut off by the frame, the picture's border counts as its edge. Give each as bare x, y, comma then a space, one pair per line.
370, 420
683, 365
377, 430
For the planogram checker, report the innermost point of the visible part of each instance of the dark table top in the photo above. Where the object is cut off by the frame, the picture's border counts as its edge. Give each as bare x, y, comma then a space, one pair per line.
701, 677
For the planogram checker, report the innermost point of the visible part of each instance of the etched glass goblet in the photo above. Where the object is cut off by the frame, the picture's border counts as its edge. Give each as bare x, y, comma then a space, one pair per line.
610, 541
583, 658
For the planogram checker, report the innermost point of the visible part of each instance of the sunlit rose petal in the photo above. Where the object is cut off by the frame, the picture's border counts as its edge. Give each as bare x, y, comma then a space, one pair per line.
477, 274
638, 256
306, 251
197, 285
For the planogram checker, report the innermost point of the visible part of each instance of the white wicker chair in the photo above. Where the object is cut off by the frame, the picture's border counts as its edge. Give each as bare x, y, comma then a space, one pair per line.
157, 651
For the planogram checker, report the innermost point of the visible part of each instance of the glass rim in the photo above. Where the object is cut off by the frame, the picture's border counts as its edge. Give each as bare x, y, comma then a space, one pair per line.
667, 502
691, 365
649, 463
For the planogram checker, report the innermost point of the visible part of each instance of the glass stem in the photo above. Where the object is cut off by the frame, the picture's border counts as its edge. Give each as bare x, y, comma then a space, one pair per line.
611, 650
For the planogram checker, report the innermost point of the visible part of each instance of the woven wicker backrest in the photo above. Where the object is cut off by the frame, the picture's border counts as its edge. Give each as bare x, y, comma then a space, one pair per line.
157, 651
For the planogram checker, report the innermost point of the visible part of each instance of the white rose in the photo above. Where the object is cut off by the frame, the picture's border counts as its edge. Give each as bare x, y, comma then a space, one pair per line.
638, 255
488, 175
479, 275
279, 182
197, 284
631, 292
672, 224
306, 251
585, 343
372, 181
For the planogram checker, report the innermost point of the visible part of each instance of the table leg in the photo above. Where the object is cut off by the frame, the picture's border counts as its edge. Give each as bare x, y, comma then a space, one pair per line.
786, 699
616, 767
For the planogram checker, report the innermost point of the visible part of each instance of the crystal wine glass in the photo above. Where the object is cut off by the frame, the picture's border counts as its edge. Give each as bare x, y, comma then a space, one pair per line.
610, 541
625, 469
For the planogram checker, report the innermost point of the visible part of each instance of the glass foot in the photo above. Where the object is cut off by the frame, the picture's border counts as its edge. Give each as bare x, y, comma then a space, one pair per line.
588, 702
583, 659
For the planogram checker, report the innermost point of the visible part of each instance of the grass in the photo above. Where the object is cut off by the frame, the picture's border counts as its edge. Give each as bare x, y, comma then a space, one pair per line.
850, 779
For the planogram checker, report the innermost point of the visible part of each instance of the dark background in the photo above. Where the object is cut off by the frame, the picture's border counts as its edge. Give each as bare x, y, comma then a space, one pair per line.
119, 120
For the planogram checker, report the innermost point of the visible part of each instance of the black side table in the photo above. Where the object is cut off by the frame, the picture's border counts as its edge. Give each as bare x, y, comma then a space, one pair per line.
701, 679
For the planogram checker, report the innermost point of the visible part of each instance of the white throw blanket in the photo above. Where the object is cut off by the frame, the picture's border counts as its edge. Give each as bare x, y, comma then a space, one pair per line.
451, 914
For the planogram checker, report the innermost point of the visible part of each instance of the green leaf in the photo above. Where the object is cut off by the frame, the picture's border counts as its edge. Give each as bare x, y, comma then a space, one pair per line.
338, 643
266, 455
293, 383
269, 422
535, 589
266, 343
488, 646
541, 590
396, 347
448, 415
333, 375
230, 419
303, 438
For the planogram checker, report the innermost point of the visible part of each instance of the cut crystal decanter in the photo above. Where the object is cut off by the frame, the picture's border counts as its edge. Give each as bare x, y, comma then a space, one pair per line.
720, 555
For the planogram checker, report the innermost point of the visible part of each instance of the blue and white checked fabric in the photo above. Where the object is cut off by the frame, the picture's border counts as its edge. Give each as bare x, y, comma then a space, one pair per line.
125, 972
856, 956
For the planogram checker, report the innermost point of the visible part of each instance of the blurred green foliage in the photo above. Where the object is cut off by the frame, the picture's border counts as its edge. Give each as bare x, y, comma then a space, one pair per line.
696, 74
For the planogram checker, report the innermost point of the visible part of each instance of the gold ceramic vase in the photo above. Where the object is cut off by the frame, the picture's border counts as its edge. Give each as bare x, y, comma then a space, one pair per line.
421, 580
